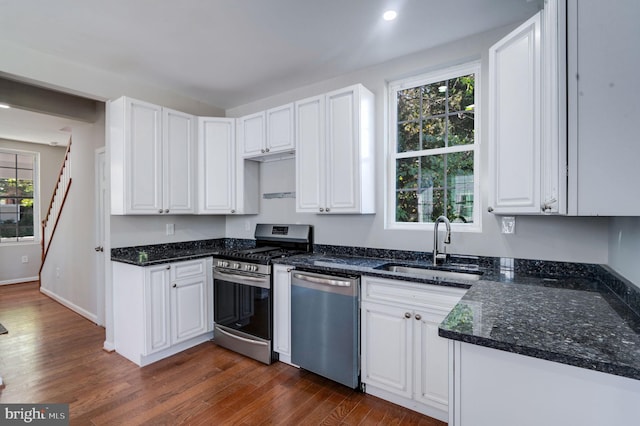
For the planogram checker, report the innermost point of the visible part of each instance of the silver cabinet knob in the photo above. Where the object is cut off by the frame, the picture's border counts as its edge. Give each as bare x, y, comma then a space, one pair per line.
99, 248
490, 209
166, 211
168, 267
267, 150
160, 211
233, 211
407, 315
327, 209
418, 317
175, 285
262, 150
321, 210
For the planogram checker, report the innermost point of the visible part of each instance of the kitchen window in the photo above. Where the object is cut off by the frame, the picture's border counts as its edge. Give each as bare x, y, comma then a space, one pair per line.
433, 149
18, 206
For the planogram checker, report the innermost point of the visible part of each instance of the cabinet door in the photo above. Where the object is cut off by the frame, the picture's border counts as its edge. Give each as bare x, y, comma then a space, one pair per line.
342, 159
216, 156
252, 134
143, 144
387, 348
178, 162
188, 308
310, 136
282, 311
514, 122
157, 308
431, 371
280, 135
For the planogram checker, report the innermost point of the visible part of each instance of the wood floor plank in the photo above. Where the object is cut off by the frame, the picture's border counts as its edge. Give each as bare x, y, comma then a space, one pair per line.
52, 354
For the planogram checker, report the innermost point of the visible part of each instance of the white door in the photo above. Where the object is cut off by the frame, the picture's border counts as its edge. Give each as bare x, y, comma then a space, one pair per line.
282, 311
216, 156
310, 164
178, 162
431, 370
157, 308
514, 120
188, 308
100, 223
387, 348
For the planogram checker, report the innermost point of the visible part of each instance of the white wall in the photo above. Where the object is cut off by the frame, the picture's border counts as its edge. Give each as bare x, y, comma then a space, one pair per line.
624, 247
12, 270
142, 230
547, 238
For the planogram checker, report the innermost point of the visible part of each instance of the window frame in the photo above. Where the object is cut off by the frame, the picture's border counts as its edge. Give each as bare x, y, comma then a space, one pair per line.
392, 155
36, 200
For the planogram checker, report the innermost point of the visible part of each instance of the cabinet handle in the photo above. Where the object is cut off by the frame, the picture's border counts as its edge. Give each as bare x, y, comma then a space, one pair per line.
490, 209
233, 211
175, 285
167, 268
166, 211
321, 209
160, 211
267, 150
418, 317
407, 315
262, 150
288, 269
327, 209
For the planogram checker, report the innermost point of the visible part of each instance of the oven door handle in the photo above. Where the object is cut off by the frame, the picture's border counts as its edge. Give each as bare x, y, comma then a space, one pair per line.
237, 278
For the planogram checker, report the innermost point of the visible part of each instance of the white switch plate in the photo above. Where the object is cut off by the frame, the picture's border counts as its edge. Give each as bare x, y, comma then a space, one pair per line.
171, 229
25, 259
508, 225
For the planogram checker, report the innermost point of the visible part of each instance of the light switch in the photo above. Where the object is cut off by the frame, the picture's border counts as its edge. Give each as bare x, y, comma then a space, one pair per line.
508, 225
170, 229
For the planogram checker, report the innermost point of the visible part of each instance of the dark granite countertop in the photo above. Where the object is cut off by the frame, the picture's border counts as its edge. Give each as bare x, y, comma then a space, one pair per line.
576, 314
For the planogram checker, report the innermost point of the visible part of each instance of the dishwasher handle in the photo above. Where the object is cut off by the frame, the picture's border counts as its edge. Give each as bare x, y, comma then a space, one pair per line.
326, 283
322, 280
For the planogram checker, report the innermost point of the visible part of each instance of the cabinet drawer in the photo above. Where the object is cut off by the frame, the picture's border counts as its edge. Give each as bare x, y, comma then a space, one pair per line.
188, 269
416, 294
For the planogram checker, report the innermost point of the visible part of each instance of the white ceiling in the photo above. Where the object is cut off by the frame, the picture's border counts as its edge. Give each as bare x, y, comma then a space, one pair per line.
231, 52
27, 126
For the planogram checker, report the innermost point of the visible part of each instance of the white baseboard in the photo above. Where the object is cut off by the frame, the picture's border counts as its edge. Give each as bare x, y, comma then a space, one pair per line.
19, 280
88, 315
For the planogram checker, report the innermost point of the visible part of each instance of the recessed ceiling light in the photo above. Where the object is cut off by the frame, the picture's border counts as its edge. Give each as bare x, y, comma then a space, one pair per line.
5, 106
390, 15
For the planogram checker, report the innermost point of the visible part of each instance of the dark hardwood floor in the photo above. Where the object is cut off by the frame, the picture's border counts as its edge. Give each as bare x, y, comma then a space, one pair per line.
53, 355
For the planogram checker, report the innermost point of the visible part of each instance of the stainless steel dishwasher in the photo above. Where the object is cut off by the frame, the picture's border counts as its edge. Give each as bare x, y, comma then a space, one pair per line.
325, 325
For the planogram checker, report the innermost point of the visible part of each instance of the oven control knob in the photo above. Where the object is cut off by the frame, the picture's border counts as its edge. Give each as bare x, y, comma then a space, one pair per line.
254, 267
223, 264
236, 266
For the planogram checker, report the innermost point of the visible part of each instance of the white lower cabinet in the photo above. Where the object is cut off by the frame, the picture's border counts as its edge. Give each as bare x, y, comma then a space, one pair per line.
403, 358
161, 310
282, 312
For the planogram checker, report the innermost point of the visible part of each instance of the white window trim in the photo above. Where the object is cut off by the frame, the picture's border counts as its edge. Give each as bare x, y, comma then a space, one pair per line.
36, 199
419, 80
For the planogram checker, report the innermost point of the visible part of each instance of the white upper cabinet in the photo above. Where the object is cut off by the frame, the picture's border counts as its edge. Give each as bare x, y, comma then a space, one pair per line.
335, 152
216, 165
603, 64
266, 134
227, 184
527, 141
152, 152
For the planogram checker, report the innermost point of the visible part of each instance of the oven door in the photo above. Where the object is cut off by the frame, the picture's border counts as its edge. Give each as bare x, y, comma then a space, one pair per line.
242, 302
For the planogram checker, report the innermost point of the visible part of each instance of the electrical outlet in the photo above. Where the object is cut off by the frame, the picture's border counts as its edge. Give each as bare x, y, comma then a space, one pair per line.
25, 259
508, 225
171, 229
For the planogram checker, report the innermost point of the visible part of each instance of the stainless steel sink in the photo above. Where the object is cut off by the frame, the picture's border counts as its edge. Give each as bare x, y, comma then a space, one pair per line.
448, 274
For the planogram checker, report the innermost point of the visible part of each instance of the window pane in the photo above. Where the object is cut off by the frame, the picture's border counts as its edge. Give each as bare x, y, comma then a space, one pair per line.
406, 206
461, 93
460, 186
433, 133
408, 137
25, 161
24, 188
409, 104
434, 98
461, 129
7, 187
9, 211
430, 204
407, 172
7, 160
432, 171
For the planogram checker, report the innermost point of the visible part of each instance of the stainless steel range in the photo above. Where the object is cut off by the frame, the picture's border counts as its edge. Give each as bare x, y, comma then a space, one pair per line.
242, 287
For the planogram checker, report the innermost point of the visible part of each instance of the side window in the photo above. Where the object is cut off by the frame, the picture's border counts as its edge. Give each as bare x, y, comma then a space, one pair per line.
433, 149
17, 180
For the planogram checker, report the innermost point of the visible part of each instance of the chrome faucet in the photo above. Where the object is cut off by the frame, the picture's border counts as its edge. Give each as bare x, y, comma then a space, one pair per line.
447, 240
